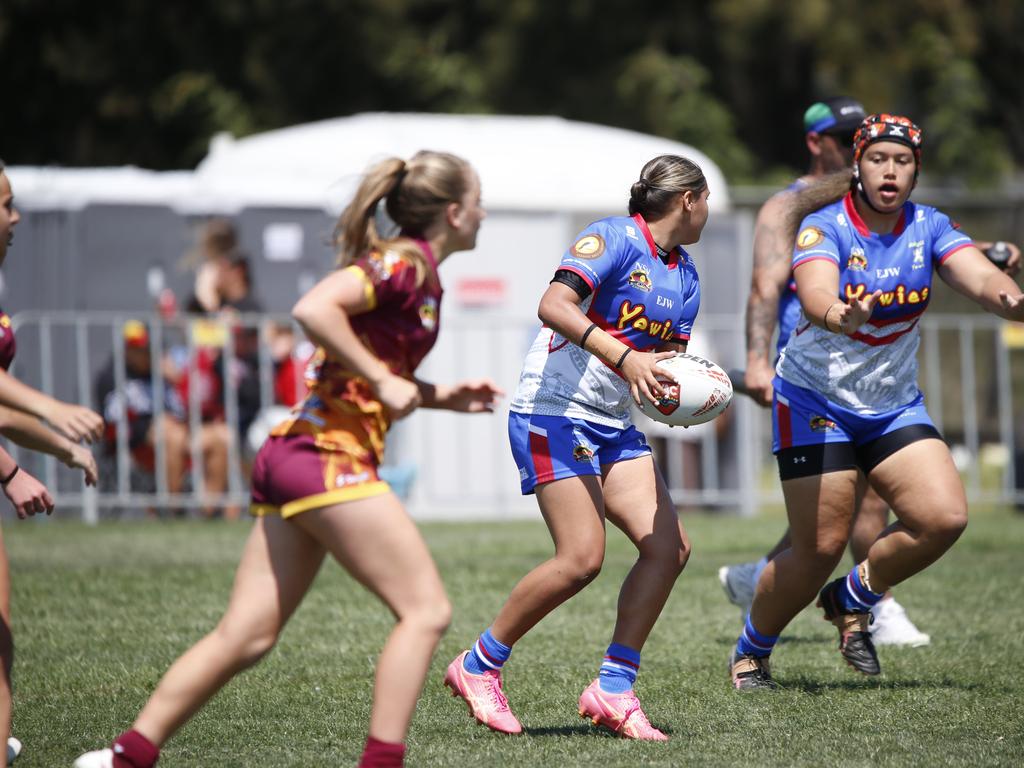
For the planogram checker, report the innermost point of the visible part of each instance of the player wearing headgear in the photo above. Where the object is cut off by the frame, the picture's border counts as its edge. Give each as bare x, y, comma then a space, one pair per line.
829, 126
846, 398
624, 297
315, 487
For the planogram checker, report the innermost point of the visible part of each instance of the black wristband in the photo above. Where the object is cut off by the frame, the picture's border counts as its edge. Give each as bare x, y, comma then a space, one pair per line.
623, 358
583, 338
5, 480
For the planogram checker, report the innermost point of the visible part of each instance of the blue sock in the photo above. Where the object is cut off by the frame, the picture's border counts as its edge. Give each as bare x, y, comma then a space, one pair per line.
753, 642
619, 668
854, 595
487, 653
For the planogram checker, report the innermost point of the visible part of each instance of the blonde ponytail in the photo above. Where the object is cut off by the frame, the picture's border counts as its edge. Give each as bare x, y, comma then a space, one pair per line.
415, 193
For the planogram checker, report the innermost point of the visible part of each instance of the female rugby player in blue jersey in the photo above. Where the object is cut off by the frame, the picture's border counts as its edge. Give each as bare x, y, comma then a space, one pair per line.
624, 297
846, 398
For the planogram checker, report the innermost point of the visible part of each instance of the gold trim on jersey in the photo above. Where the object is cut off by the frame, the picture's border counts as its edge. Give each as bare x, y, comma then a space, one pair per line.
318, 500
368, 292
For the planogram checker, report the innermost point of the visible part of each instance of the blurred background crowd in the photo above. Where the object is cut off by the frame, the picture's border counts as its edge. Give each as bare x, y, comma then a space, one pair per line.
143, 288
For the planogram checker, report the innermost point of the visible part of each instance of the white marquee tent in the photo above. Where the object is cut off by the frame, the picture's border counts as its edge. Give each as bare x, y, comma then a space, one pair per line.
543, 178
525, 163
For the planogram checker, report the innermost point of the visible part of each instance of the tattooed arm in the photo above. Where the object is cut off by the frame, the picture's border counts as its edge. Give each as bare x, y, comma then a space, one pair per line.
772, 257
774, 234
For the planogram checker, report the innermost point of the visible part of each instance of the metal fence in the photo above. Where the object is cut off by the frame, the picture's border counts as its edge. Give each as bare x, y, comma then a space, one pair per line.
972, 372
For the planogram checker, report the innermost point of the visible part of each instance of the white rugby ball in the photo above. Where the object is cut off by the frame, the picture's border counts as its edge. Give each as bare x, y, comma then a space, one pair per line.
696, 391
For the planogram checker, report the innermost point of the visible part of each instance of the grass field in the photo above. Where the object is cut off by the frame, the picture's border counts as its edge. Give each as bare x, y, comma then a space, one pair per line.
100, 613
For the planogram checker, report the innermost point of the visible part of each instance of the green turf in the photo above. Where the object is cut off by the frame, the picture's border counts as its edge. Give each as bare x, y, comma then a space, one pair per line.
100, 613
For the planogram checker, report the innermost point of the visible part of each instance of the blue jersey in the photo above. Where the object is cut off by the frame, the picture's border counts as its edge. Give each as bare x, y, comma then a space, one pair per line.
874, 369
636, 297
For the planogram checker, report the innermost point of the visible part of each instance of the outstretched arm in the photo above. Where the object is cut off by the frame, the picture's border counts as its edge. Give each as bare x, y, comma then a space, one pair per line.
1012, 265
967, 271
817, 286
471, 396
30, 433
816, 195
76, 422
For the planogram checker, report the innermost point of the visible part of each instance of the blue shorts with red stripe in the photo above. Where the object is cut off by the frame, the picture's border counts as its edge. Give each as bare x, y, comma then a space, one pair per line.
550, 448
803, 417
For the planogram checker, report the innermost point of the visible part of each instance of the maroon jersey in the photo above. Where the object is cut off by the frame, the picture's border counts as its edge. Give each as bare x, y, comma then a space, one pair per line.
401, 325
7, 344
400, 328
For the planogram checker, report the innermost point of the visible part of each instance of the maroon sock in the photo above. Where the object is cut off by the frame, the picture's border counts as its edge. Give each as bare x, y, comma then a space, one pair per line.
381, 754
133, 750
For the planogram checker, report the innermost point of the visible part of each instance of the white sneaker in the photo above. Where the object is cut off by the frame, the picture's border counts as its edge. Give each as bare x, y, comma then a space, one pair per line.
13, 749
890, 626
101, 758
739, 584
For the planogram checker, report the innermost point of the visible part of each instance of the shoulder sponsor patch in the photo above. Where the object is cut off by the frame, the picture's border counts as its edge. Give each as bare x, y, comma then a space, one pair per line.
809, 237
588, 247
384, 265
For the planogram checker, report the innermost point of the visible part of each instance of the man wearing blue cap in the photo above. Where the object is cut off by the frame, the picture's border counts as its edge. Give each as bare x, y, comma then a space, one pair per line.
828, 133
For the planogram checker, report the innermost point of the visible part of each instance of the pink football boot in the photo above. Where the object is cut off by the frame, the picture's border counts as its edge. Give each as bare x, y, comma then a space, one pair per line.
483, 695
619, 712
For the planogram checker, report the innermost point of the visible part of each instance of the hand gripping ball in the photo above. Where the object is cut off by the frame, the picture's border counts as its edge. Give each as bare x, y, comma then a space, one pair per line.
696, 391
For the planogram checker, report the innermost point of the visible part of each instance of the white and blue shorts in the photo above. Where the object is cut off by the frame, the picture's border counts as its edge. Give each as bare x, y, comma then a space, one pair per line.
548, 448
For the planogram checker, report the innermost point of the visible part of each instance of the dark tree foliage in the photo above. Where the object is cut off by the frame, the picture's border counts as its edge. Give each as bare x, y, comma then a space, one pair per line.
148, 83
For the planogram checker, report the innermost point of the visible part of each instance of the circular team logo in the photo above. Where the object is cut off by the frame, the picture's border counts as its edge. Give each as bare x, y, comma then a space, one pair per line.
582, 452
857, 262
588, 247
428, 313
809, 237
640, 278
821, 424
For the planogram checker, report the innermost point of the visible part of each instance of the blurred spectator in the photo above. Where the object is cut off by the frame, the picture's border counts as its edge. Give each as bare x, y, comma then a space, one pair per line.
223, 290
289, 357
137, 405
218, 245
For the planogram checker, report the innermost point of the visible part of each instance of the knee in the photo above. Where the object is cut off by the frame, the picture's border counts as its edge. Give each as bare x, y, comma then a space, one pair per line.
214, 438
245, 648
683, 555
432, 617
175, 434
582, 567
671, 558
948, 526
824, 553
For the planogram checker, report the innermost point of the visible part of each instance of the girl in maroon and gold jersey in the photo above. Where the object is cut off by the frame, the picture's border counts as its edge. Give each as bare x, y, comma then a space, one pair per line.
21, 408
316, 490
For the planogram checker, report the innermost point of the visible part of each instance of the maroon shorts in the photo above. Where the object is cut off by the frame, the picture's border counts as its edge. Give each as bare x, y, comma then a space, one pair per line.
292, 474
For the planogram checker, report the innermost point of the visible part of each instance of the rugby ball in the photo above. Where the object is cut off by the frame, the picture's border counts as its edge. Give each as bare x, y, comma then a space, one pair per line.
696, 391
